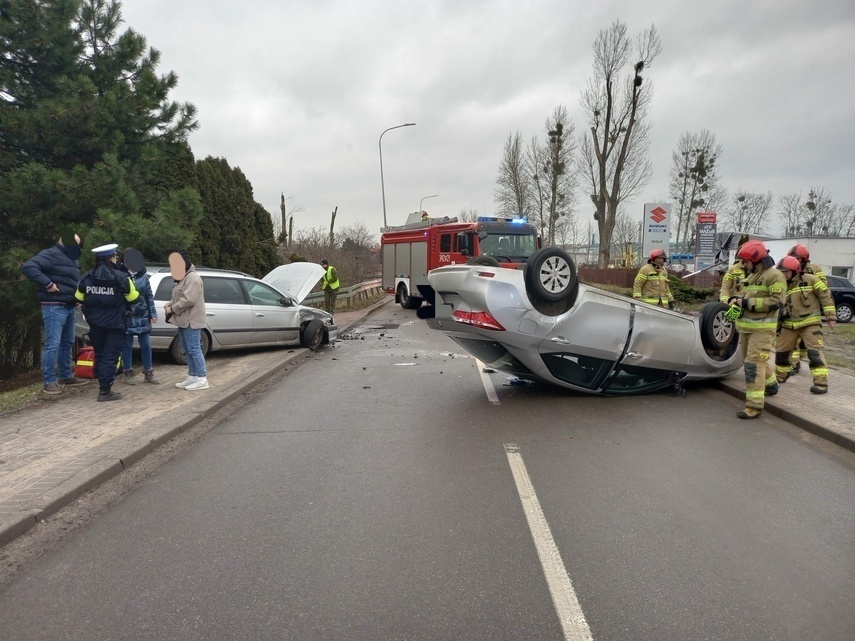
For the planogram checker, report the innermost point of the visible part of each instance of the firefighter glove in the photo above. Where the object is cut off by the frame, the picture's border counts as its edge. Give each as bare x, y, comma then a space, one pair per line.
733, 313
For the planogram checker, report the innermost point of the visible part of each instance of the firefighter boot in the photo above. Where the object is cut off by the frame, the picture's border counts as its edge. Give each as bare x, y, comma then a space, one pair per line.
819, 389
129, 376
149, 377
772, 389
795, 368
749, 412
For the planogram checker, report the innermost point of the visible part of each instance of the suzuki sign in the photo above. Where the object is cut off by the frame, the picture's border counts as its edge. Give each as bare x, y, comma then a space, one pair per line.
656, 228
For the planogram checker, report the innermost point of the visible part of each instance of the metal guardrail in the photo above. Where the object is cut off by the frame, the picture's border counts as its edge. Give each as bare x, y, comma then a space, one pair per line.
349, 294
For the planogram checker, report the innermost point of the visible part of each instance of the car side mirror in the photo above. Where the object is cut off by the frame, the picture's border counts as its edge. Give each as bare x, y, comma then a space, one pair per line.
286, 302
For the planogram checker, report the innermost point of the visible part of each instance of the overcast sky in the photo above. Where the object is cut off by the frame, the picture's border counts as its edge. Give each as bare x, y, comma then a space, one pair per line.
297, 94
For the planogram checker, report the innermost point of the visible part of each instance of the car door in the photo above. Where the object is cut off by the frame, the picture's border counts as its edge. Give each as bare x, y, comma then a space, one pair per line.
275, 319
229, 314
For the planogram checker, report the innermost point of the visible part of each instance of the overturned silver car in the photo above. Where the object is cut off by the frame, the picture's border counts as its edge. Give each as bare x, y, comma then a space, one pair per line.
543, 324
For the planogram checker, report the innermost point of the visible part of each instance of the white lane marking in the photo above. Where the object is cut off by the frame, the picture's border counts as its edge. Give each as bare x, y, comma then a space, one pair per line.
564, 599
488, 384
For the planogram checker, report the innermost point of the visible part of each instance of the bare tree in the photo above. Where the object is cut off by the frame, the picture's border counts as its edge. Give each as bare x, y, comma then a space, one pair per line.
557, 169
695, 183
816, 215
625, 238
615, 153
514, 188
748, 212
468, 215
535, 158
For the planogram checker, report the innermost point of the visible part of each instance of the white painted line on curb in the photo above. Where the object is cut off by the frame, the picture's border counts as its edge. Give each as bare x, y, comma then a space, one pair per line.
488, 384
564, 599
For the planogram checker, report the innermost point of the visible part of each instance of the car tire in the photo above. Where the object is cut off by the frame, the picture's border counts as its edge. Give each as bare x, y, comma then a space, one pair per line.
178, 356
407, 301
717, 333
844, 313
312, 335
486, 261
550, 275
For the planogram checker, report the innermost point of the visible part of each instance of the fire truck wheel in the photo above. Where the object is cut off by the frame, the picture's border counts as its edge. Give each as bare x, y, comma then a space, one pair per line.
550, 275
407, 301
487, 261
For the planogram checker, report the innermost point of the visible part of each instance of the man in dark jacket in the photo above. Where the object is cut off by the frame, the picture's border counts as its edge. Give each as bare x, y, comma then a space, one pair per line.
105, 292
55, 271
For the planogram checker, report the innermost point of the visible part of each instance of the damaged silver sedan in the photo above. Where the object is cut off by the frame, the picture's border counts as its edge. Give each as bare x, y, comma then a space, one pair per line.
542, 324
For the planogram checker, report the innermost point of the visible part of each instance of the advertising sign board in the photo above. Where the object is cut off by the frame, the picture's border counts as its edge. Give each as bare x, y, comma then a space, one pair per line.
656, 228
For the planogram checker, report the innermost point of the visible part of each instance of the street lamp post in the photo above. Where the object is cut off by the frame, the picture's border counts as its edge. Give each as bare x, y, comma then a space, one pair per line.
380, 145
424, 199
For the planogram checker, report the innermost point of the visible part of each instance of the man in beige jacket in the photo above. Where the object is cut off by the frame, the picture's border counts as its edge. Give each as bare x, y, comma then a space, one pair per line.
186, 310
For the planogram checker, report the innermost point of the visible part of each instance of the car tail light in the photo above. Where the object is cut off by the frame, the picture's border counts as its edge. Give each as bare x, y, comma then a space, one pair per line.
477, 319
485, 274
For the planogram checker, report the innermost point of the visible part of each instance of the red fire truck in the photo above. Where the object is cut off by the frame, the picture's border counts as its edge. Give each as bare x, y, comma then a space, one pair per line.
410, 251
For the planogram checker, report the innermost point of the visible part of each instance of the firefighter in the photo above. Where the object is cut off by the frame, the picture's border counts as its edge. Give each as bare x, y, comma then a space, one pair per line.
762, 298
802, 253
105, 292
651, 283
731, 283
808, 300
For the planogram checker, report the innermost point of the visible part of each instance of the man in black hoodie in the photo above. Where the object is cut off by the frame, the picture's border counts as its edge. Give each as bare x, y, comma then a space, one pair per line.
55, 271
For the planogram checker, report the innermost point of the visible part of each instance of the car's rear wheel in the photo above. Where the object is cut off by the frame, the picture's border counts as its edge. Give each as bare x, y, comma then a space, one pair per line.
407, 301
178, 355
844, 312
550, 275
717, 332
313, 334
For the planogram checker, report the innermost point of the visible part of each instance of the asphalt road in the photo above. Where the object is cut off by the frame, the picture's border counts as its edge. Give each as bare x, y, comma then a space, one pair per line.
389, 489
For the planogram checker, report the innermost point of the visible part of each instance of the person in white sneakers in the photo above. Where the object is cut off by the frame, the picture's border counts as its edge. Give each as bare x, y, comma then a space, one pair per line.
186, 310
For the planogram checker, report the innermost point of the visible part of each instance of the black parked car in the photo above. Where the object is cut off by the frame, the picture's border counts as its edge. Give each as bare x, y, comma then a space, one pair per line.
843, 293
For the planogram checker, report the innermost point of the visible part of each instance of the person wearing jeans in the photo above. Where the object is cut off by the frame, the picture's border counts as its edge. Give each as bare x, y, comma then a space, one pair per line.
55, 271
186, 310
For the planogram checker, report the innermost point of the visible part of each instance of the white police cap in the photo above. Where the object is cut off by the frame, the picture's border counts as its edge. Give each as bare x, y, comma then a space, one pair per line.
106, 250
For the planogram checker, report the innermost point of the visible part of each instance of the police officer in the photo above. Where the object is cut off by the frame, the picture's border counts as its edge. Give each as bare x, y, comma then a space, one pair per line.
105, 292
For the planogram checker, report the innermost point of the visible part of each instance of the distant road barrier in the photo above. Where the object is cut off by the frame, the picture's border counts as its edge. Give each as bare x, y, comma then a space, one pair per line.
355, 292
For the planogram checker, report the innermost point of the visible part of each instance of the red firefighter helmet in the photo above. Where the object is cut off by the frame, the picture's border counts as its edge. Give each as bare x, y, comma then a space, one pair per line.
658, 253
753, 250
799, 251
790, 262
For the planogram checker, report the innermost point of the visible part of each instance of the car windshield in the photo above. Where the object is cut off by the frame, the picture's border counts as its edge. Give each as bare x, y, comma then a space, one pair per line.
508, 245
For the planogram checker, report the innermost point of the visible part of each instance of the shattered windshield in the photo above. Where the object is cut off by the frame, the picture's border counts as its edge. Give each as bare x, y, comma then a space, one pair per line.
508, 246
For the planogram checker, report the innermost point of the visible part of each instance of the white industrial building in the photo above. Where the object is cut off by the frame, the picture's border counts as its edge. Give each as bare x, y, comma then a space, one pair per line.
835, 255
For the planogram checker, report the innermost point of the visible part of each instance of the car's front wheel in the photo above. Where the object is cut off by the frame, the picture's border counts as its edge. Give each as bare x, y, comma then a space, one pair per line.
177, 354
844, 312
717, 332
313, 334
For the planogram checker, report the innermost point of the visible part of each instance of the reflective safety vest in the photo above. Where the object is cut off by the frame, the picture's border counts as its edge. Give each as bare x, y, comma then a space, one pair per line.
808, 299
651, 285
330, 279
763, 297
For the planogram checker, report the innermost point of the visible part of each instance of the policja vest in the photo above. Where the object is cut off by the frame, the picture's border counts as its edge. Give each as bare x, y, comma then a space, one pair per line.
105, 292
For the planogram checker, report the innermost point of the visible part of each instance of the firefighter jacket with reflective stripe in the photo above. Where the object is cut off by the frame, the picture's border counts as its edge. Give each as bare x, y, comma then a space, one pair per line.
816, 270
763, 296
651, 285
731, 282
105, 292
808, 300
330, 279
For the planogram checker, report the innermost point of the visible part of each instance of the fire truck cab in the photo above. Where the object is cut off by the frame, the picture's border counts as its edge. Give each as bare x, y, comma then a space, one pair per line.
410, 251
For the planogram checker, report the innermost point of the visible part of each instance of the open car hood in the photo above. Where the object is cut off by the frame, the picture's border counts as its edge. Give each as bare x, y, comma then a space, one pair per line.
295, 280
